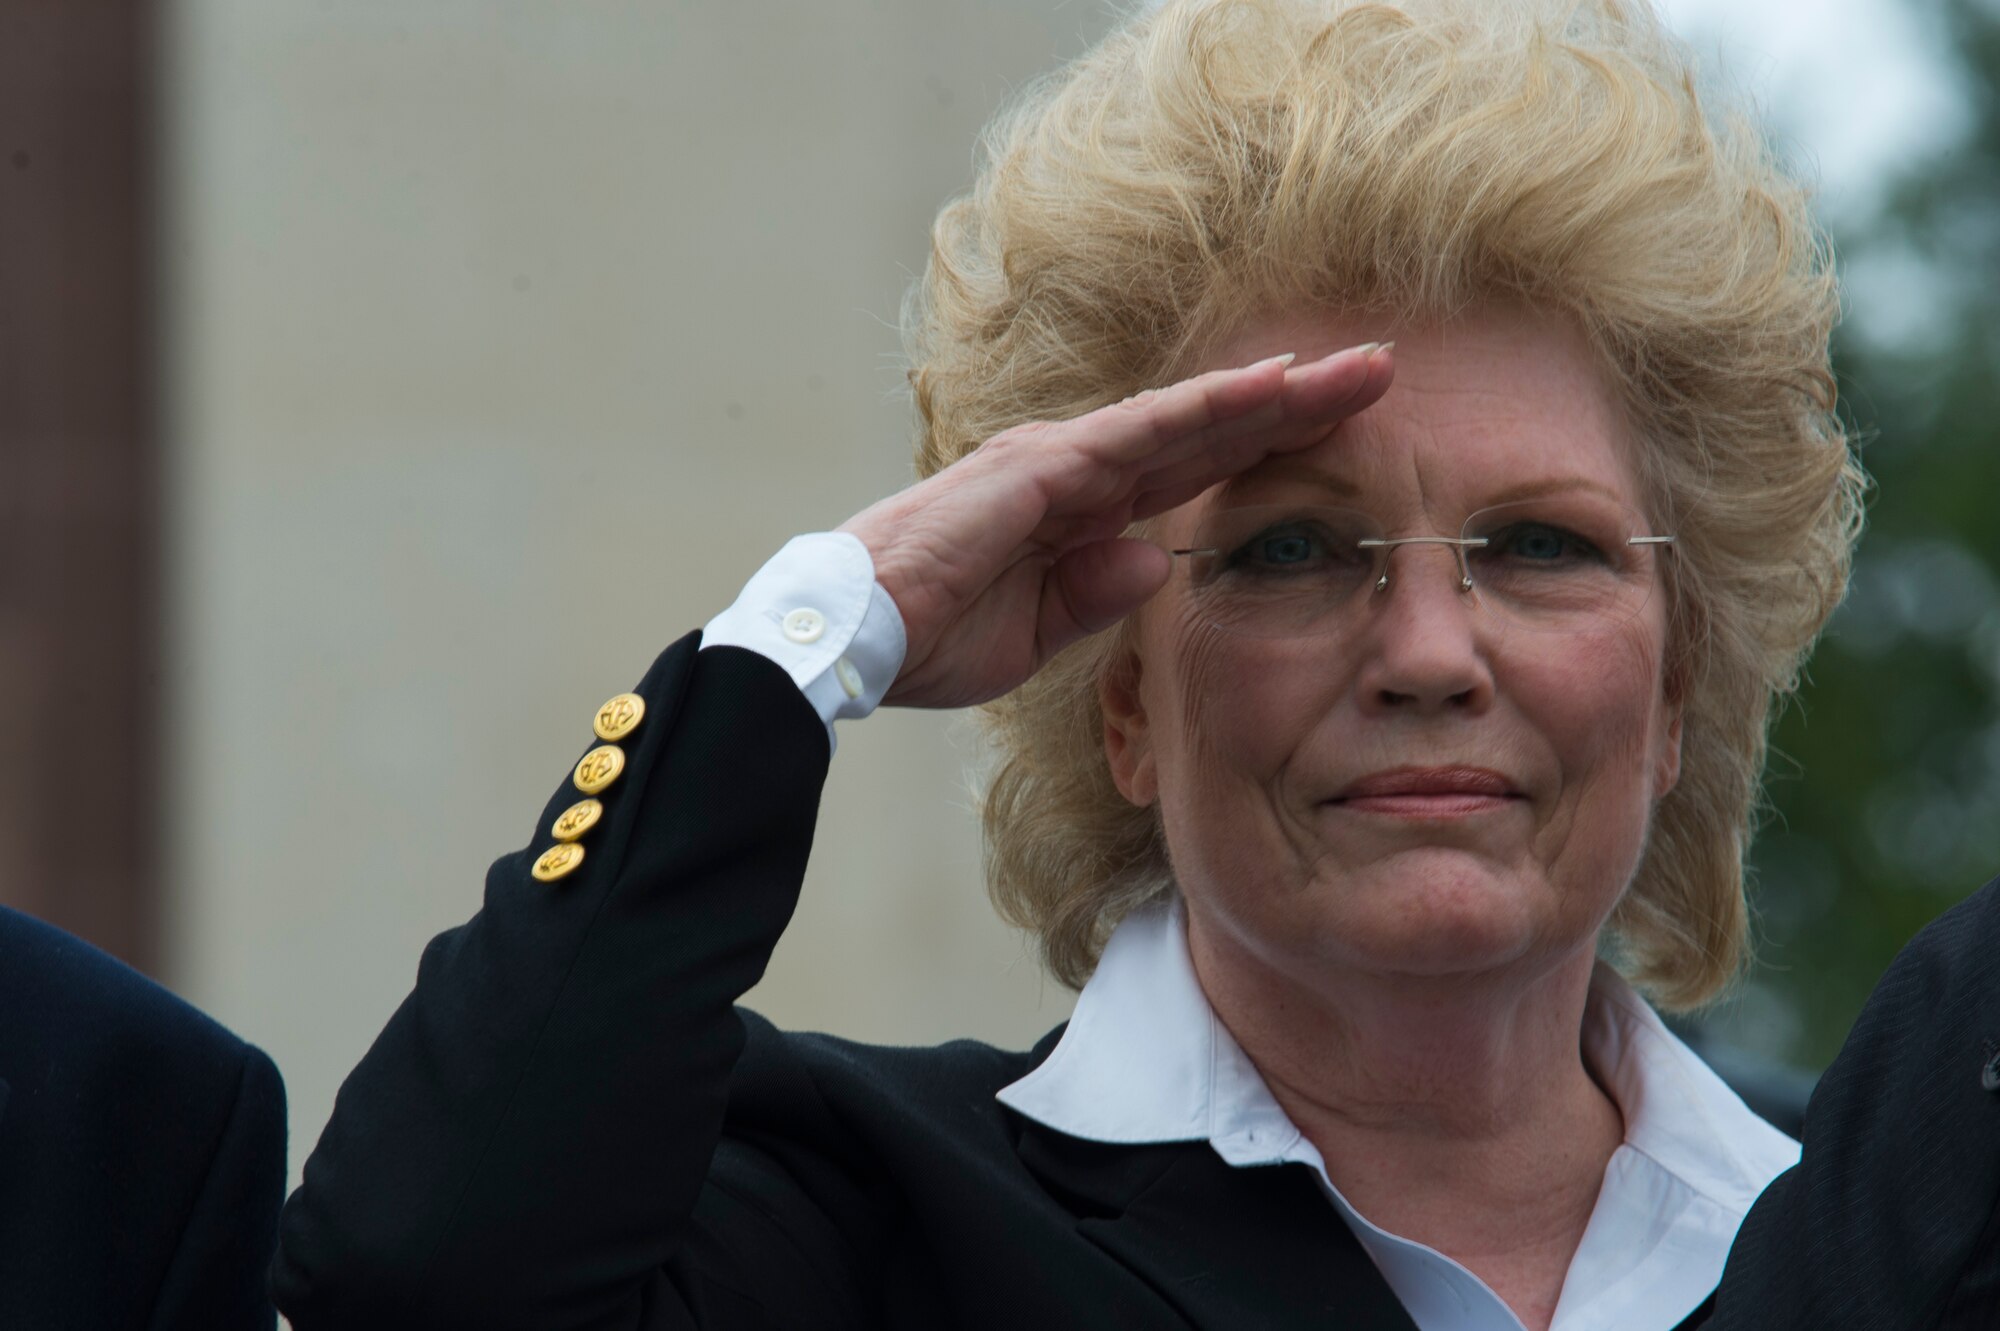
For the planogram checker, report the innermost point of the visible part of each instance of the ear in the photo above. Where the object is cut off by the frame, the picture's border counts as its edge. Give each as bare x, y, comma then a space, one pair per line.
1127, 739
1676, 682
1667, 762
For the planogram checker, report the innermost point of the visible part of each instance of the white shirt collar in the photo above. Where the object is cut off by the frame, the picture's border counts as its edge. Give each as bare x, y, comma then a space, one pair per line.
1145, 1059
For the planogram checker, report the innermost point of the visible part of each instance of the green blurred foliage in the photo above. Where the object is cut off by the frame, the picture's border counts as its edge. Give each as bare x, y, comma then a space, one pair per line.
1885, 779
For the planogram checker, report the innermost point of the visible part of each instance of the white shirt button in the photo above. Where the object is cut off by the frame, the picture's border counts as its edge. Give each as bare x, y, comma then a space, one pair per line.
804, 625
849, 677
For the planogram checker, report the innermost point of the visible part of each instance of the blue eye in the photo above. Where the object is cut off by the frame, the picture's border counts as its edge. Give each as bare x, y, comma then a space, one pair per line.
1296, 550
1292, 548
1289, 547
1266, 551
1540, 543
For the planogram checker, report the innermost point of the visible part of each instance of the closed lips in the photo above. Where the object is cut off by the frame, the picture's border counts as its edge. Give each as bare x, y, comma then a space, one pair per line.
1418, 781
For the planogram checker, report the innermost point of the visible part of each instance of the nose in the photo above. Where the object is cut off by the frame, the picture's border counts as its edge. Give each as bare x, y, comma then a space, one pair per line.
1422, 636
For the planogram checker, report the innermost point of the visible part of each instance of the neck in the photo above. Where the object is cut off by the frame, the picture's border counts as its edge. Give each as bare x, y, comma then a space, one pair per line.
1453, 1110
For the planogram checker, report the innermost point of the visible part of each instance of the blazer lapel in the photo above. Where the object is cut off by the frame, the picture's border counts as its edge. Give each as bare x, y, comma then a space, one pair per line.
1259, 1246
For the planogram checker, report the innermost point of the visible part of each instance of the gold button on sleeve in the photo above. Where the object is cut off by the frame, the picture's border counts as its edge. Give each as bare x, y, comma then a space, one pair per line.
558, 861
577, 819
620, 716
599, 768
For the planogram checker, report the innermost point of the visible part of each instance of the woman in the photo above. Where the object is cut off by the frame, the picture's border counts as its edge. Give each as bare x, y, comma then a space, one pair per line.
1329, 780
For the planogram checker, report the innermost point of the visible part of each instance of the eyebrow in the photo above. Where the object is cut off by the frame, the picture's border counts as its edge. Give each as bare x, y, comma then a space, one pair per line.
1338, 487
1341, 488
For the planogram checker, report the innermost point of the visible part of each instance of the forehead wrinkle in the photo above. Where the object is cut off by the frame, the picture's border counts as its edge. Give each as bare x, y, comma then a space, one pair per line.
1468, 380
1423, 491
1505, 470
1503, 419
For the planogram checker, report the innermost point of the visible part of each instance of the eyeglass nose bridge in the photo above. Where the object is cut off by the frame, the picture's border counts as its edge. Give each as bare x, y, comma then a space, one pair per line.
1459, 545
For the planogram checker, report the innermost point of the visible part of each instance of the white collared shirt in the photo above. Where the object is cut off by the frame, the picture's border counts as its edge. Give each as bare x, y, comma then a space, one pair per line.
1146, 1060
816, 610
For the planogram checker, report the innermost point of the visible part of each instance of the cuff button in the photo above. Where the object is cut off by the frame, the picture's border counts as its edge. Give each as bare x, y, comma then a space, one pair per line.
804, 625
599, 768
849, 677
621, 716
558, 862
577, 819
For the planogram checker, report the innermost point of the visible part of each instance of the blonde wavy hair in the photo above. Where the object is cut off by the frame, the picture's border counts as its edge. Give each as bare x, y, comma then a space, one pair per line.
1213, 160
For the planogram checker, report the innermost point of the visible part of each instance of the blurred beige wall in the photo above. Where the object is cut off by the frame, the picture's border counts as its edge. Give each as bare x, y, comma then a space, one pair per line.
506, 340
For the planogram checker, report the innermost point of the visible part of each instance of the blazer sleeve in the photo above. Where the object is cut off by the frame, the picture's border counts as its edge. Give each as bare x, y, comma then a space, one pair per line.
1891, 1218
215, 1281
526, 1141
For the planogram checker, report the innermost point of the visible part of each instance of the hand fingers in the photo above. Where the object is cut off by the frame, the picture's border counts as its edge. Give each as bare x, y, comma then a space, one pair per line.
1108, 456
1132, 430
1305, 414
1095, 586
1182, 415
1155, 502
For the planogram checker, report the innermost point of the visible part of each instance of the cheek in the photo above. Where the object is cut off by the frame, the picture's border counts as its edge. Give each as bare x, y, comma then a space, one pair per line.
1598, 707
1616, 702
1239, 711
1235, 710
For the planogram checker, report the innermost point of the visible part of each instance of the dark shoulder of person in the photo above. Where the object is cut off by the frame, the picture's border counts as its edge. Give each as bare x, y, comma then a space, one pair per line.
142, 1148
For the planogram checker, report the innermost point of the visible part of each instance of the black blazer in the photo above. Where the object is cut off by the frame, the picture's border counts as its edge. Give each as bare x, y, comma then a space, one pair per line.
568, 1124
142, 1149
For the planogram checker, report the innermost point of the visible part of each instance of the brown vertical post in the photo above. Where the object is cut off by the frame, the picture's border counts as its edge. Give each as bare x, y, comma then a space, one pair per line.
79, 470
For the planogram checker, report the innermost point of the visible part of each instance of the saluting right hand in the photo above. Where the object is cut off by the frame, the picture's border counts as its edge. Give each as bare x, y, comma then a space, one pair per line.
1015, 551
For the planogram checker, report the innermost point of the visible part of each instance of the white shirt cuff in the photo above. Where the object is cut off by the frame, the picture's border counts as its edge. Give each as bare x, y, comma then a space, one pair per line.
816, 611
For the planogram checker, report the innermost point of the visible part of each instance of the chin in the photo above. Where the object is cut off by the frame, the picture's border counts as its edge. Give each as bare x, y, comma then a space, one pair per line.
1436, 912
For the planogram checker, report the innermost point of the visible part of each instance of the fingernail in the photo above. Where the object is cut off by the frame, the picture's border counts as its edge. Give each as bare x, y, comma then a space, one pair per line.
1285, 359
1365, 350
1386, 346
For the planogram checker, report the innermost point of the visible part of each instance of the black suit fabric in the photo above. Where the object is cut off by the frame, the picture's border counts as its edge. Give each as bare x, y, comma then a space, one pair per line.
1891, 1218
142, 1149
569, 1124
